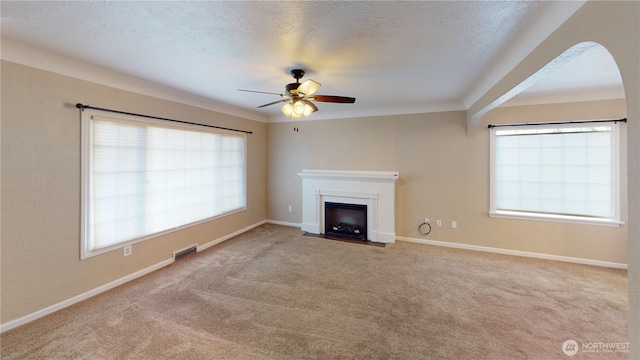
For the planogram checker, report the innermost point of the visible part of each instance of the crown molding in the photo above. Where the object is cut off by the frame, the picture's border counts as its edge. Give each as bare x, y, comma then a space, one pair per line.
41, 59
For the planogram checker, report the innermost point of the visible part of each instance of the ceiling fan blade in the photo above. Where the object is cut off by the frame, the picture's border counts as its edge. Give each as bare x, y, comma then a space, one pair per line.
272, 103
308, 87
333, 99
261, 92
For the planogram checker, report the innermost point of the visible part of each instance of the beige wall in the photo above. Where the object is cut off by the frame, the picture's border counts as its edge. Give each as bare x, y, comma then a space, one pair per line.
41, 189
444, 174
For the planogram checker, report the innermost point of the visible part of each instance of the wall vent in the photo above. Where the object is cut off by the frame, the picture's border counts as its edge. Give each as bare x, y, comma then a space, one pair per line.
182, 253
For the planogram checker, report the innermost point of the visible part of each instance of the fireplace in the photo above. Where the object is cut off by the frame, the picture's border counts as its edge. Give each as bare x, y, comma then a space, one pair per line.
373, 190
345, 220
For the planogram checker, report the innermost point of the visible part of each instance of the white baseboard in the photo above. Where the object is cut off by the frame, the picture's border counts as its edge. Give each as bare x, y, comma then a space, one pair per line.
229, 236
516, 253
100, 289
383, 237
284, 223
76, 299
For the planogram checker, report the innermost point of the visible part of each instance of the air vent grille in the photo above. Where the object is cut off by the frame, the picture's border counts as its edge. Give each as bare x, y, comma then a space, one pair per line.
182, 253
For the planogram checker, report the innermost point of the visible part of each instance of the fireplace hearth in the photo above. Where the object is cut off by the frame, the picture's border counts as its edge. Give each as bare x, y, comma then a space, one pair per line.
345, 220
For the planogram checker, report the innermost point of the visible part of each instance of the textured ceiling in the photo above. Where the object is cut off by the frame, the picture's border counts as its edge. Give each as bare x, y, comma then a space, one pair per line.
394, 57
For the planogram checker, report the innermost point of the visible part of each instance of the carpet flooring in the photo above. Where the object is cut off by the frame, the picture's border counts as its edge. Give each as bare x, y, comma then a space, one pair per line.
273, 293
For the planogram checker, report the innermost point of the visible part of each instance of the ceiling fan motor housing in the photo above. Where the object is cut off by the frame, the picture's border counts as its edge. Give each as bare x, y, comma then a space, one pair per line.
292, 89
297, 74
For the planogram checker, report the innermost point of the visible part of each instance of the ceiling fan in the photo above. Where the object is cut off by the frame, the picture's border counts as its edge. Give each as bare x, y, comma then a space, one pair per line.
299, 96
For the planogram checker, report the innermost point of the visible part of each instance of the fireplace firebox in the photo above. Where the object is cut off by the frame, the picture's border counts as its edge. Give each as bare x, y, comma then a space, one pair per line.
345, 220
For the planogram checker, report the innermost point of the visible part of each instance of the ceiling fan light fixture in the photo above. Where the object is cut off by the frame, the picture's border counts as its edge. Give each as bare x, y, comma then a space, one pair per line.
299, 108
287, 110
309, 107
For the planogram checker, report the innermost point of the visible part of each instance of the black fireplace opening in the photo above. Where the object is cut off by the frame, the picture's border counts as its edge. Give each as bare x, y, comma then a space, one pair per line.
345, 220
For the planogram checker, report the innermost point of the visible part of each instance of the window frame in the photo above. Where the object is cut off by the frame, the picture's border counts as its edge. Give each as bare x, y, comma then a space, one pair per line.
614, 220
87, 168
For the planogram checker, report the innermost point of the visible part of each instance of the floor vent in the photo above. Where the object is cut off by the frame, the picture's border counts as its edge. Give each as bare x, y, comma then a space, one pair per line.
182, 253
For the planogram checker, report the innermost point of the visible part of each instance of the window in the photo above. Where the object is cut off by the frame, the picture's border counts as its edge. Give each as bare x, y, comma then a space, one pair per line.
144, 177
556, 172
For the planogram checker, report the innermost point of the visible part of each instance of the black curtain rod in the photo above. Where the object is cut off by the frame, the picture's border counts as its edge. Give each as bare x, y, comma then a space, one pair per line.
82, 107
624, 120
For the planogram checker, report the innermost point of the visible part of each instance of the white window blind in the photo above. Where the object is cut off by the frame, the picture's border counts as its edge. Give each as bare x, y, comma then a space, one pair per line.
143, 177
562, 171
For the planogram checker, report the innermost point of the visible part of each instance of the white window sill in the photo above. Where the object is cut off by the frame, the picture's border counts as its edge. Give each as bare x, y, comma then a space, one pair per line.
554, 218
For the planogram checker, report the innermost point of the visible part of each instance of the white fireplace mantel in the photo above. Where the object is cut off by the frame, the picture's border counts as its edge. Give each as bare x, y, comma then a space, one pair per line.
376, 189
353, 175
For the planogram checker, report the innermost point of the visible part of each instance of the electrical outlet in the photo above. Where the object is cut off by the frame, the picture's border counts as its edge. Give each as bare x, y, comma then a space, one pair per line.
454, 224
438, 223
290, 208
127, 251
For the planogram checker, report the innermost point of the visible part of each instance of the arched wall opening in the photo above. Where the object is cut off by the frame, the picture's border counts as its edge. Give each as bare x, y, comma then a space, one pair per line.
583, 72
616, 26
